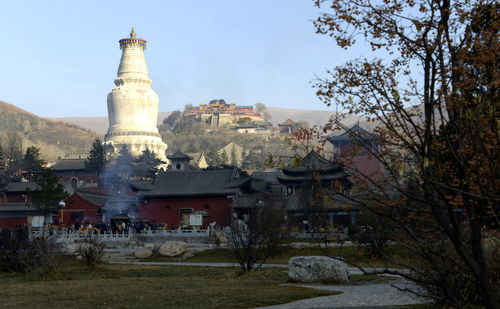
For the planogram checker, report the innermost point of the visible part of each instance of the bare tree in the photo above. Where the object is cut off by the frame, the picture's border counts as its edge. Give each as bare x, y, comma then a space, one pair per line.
12, 153
261, 109
434, 102
257, 239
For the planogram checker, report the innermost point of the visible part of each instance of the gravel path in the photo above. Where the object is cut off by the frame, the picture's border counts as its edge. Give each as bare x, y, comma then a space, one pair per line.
355, 296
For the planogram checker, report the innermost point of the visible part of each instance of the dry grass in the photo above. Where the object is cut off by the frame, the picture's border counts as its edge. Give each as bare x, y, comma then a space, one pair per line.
355, 254
128, 286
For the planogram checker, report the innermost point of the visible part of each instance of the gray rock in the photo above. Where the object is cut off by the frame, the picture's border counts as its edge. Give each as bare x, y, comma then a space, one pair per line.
142, 254
317, 269
220, 238
172, 248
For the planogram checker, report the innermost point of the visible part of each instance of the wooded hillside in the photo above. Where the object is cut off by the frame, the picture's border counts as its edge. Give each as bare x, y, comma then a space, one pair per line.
55, 138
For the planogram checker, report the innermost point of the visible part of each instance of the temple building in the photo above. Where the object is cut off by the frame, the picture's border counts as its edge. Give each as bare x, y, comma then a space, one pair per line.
311, 186
355, 148
133, 104
219, 113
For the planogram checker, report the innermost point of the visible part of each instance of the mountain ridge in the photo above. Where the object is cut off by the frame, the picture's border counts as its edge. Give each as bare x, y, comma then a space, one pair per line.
278, 115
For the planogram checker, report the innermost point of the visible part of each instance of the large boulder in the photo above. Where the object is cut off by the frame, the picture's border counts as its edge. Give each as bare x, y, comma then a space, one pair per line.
220, 238
320, 269
172, 248
142, 254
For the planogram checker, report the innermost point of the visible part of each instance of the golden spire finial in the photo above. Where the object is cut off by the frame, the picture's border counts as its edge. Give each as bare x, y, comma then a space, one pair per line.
132, 33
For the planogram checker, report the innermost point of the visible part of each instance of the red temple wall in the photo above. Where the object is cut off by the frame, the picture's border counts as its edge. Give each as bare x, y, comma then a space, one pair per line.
75, 204
167, 210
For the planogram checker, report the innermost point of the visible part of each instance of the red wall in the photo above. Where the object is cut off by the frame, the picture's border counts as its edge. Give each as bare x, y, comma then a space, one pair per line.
167, 210
362, 160
12, 222
76, 204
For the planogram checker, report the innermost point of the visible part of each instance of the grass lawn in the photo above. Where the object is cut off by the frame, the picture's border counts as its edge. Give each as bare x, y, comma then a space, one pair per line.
355, 254
132, 286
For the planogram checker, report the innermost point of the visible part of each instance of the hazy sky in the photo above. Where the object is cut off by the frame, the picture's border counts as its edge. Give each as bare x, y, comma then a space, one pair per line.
59, 58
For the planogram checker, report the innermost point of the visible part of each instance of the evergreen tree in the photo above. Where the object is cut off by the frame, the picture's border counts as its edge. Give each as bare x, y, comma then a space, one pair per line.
234, 157
251, 162
244, 153
123, 163
192, 147
147, 164
32, 162
2, 158
96, 160
224, 160
49, 194
213, 157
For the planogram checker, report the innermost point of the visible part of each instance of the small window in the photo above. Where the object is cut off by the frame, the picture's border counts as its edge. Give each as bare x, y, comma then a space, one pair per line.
177, 166
183, 211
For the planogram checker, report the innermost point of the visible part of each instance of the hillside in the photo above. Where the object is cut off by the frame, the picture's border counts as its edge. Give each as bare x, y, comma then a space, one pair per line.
55, 138
278, 115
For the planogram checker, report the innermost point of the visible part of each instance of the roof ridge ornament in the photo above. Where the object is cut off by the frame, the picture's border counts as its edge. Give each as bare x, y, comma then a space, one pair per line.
132, 33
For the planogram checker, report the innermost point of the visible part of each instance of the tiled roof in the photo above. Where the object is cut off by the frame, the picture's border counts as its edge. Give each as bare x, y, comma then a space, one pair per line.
195, 183
288, 122
271, 177
17, 207
20, 186
141, 185
97, 199
313, 161
103, 199
355, 132
69, 164
179, 155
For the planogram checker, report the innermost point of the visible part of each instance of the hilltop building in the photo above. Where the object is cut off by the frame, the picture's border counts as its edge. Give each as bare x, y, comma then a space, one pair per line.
218, 113
287, 126
133, 104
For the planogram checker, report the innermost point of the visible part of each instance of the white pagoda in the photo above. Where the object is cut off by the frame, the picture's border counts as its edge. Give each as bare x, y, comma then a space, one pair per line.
133, 104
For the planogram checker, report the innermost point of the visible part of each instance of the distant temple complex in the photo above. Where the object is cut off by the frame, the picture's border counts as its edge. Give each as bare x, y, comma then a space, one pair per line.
218, 112
133, 104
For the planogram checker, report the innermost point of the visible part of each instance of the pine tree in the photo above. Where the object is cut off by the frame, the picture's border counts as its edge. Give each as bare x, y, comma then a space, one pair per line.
147, 164
234, 157
124, 162
96, 160
224, 160
32, 162
2, 158
212, 156
49, 194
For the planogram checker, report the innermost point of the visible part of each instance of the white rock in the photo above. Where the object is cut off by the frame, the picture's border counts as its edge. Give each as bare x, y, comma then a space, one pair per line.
317, 269
172, 248
142, 254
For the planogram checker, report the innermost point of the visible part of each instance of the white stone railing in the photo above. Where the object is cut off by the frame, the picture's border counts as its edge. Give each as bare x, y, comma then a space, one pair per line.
65, 236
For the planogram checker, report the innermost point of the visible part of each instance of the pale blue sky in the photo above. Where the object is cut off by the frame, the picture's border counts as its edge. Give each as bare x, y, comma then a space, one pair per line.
59, 58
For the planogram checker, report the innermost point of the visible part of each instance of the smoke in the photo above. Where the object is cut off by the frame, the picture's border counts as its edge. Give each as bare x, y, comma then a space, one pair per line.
121, 205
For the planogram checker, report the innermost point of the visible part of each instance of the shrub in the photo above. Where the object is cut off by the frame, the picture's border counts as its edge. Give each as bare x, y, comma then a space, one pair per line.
91, 250
20, 253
